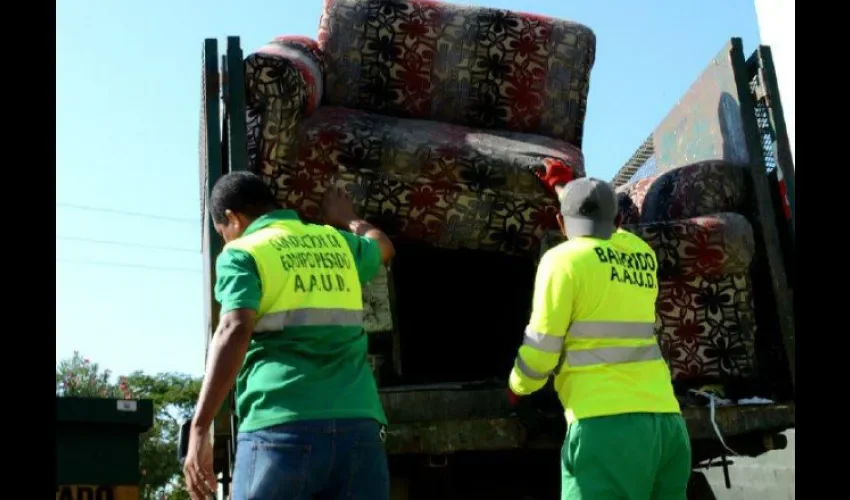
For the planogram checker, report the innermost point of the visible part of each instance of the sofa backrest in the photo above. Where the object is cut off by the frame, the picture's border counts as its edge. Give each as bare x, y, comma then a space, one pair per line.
702, 188
473, 66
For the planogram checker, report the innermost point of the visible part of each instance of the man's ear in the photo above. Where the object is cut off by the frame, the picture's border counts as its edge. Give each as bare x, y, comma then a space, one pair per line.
232, 219
560, 219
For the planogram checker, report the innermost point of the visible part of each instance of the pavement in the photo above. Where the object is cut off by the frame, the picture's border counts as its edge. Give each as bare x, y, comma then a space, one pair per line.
771, 476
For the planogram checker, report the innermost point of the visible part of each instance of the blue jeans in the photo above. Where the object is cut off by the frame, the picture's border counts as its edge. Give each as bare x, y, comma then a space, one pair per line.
313, 459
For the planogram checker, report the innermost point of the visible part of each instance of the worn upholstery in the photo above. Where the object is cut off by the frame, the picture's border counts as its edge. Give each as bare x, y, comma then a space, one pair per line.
704, 317
284, 84
473, 66
696, 219
427, 181
434, 116
702, 188
720, 243
452, 108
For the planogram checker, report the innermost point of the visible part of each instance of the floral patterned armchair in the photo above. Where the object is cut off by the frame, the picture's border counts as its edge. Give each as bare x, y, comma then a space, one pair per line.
432, 115
696, 219
435, 117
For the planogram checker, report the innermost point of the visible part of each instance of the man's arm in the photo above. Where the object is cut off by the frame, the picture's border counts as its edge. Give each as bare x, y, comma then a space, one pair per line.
227, 352
238, 290
339, 212
367, 255
361, 227
544, 336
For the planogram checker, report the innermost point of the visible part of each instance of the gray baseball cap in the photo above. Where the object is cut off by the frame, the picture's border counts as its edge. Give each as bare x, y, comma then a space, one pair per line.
589, 208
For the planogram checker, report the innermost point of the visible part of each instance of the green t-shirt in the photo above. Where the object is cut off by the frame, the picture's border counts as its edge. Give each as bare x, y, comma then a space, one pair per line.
304, 372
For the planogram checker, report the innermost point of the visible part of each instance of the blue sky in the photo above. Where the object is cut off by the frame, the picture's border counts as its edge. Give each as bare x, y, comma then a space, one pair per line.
128, 270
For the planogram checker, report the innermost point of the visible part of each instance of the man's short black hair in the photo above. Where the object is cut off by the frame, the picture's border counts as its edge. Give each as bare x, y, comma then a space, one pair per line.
241, 192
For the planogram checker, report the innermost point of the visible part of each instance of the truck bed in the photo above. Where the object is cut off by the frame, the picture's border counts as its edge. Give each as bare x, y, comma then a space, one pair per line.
441, 421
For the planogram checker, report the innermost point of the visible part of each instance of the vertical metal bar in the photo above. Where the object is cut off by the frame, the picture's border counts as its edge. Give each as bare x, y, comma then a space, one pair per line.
784, 161
237, 126
235, 149
766, 216
225, 121
234, 432
724, 460
211, 171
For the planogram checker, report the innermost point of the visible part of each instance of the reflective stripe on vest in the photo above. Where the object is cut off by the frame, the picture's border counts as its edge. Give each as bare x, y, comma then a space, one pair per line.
530, 372
612, 330
589, 330
542, 341
613, 355
588, 357
309, 317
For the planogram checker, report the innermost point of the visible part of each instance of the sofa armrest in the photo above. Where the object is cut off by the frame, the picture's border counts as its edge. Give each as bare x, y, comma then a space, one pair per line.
709, 245
283, 87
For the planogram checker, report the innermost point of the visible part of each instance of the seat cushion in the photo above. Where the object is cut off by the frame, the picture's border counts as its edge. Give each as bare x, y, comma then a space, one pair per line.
702, 188
706, 326
713, 244
447, 185
705, 315
463, 64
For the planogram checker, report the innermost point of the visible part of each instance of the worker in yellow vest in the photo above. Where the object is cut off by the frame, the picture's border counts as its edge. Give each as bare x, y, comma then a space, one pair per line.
592, 329
291, 339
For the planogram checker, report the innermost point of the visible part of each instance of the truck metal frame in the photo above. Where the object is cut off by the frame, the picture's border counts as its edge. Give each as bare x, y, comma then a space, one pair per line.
438, 421
700, 128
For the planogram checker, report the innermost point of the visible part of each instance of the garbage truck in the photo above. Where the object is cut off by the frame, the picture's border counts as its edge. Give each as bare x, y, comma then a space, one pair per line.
416, 110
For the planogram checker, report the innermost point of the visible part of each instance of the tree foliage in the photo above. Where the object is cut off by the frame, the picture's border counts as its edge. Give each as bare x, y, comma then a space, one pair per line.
79, 377
173, 395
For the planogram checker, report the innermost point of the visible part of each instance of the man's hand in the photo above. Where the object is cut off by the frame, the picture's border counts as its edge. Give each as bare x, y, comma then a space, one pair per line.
555, 174
337, 209
198, 466
226, 355
513, 398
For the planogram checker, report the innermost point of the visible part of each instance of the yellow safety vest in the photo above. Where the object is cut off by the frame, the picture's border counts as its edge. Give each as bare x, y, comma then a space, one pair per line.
593, 328
308, 276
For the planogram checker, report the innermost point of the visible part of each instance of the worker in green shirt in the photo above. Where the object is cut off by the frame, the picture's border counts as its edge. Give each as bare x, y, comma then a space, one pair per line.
291, 339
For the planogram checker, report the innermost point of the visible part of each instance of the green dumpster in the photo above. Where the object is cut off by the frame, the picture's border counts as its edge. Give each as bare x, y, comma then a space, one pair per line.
97, 447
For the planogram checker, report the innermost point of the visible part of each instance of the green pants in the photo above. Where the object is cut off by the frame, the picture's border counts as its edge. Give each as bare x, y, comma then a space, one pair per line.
636, 456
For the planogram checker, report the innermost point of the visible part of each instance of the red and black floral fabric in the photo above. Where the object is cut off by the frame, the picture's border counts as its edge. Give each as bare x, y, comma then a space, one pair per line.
474, 66
702, 188
721, 243
455, 110
705, 314
442, 184
693, 217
